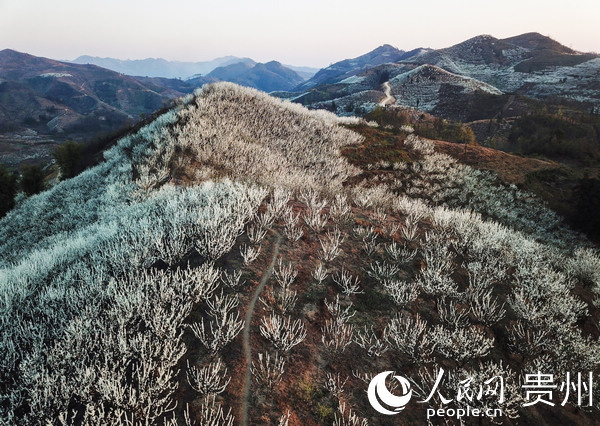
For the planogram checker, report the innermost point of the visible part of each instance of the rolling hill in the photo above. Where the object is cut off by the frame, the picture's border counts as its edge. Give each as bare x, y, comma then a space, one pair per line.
245, 259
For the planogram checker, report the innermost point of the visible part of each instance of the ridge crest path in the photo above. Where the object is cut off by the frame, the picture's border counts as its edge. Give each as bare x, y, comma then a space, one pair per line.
388, 95
246, 331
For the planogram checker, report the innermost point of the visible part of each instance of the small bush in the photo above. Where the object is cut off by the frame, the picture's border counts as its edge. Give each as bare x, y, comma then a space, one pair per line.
309, 392
8, 190
324, 414
388, 117
445, 130
32, 179
67, 157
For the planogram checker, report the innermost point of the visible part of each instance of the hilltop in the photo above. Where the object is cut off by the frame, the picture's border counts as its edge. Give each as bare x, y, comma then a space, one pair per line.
242, 257
529, 64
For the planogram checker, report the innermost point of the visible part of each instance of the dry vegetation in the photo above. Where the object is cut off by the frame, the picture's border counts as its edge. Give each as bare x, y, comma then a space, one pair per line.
127, 306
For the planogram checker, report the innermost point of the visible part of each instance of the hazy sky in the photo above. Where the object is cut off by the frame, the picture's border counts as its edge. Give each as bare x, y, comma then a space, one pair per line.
312, 32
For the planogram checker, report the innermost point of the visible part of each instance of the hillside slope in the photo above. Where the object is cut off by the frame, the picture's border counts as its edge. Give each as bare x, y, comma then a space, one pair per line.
44, 102
58, 96
128, 305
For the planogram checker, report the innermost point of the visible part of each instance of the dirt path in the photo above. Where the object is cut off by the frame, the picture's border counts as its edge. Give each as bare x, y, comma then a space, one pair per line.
246, 332
388, 95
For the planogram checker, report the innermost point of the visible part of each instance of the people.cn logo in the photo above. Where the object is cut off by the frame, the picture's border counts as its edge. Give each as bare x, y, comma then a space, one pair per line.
379, 395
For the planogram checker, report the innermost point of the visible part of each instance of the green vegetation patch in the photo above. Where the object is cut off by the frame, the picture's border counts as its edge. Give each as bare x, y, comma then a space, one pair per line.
379, 145
557, 136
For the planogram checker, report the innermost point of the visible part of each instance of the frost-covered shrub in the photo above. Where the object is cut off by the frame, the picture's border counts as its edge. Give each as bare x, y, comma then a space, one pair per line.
213, 414
249, 253
451, 314
486, 308
527, 340
268, 371
209, 379
335, 385
219, 332
401, 292
585, 267
337, 333
435, 278
330, 245
292, 230
282, 298
339, 313
314, 216
461, 344
347, 284
410, 337
369, 340
320, 273
282, 332
382, 271
340, 210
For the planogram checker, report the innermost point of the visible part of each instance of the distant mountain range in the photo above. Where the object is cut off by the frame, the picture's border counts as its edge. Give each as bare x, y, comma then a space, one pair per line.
45, 100
49, 95
157, 67
460, 76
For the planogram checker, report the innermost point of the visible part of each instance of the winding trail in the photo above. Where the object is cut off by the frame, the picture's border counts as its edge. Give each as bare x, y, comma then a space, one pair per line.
388, 95
246, 332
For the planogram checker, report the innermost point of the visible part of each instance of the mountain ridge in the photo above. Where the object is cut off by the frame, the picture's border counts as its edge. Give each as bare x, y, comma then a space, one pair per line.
270, 76
347, 67
159, 67
529, 65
